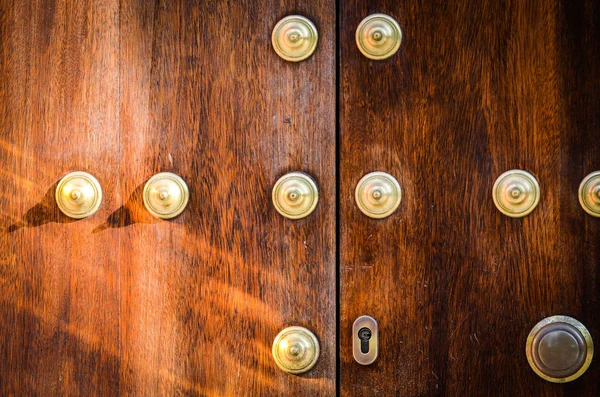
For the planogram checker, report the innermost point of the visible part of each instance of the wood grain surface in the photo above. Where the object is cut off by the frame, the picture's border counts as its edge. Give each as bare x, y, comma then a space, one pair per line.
477, 88
121, 303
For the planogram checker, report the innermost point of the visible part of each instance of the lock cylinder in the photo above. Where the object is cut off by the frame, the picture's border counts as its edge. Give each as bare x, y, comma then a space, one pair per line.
365, 341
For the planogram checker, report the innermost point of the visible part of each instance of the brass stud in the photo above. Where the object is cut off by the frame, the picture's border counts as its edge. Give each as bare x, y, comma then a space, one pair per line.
166, 195
294, 38
78, 195
516, 193
295, 350
559, 349
378, 195
378, 36
295, 195
589, 194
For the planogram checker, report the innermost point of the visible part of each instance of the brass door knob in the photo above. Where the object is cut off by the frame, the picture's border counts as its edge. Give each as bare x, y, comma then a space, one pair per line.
378, 195
589, 194
166, 195
295, 350
516, 193
295, 195
559, 349
78, 195
294, 38
378, 36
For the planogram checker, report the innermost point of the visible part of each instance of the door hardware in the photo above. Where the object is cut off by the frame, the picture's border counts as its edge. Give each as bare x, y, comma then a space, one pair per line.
589, 194
516, 193
166, 195
295, 195
365, 340
78, 195
294, 38
378, 195
295, 350
559, 349
378, 36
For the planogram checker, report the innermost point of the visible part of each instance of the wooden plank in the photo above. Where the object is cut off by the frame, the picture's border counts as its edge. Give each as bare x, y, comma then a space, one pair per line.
478, 87
59, 101
203, 296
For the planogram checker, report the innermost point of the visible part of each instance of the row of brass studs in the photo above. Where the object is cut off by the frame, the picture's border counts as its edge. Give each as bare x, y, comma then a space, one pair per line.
79, 195
516, 193
295, 37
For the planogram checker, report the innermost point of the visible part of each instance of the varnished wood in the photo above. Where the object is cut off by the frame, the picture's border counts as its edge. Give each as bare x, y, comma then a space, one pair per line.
122, 303
477, 88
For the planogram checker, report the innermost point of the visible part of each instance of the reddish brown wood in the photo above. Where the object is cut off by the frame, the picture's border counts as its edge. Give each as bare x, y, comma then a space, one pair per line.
122, 303
59, 283
477, 88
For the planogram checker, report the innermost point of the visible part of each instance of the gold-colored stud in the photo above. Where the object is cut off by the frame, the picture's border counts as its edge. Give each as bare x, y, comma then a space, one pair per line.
559, 349
294, 38
378, 195
589, 194
295, 350
378, 36
166, 195
78, 195
516, 193
295, 195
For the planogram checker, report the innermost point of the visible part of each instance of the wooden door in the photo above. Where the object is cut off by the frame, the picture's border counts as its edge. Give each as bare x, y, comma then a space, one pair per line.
122, 303
477, 88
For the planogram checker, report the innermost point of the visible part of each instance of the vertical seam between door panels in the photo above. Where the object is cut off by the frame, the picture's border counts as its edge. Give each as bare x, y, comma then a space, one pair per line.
119, 185
337, 201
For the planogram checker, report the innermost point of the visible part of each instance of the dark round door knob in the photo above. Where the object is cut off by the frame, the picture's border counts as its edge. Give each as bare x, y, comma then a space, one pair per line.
559, 349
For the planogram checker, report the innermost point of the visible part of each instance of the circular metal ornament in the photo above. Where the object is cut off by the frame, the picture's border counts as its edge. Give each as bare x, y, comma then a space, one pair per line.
295, 350
166, 195
78, 195
378, 36
378, 195
294, 38
589, 194
295, 195
516, 193
559, 349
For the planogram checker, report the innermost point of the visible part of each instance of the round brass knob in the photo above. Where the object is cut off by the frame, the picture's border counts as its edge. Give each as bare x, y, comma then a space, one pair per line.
559, 349
516, 193
166, 195
294, 38
378, 36
589, 194
295, 195
78, 195
378, 195
295, 350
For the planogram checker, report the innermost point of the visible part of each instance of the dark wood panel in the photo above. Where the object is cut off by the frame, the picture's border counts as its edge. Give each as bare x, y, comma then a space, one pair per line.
59, 283
203, 296
478, 87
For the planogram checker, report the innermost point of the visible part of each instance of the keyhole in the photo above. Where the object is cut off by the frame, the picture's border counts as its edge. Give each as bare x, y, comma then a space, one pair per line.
364, 334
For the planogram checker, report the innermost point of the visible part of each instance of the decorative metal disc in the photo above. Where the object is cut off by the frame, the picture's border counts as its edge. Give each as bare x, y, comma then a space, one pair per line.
78, 195
378, 195
166, 195
589, 194
295, 195
295, 38
378, 36
516, 193
295, 350
559, 349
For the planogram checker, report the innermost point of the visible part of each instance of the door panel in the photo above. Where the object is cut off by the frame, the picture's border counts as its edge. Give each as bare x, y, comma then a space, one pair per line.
59, 112
477, 88
122, 303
